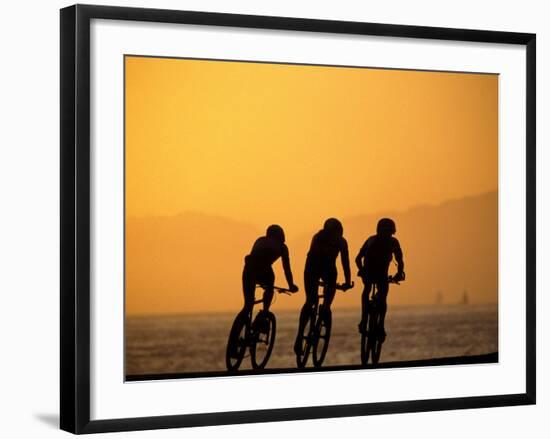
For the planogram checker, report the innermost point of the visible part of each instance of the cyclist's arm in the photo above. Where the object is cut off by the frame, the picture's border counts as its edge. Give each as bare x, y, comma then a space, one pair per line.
359, 257
398, 254
359, 261
344, 254
286, 266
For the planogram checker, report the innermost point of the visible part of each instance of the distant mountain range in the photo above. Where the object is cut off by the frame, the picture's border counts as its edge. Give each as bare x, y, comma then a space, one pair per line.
192, 262
450, 248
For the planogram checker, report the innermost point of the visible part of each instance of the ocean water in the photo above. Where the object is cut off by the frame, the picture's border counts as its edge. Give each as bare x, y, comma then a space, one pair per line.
197, 343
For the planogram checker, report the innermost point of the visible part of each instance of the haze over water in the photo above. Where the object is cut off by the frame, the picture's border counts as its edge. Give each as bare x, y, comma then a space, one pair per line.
197, 343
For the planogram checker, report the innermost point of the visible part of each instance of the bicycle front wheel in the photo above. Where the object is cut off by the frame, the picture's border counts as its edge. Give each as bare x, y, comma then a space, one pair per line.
306, 341
365, 347
263, 328
377, 345
236, 344
322, 336
374, 337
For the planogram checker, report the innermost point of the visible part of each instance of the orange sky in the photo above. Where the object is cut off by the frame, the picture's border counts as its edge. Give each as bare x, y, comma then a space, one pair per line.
257, 144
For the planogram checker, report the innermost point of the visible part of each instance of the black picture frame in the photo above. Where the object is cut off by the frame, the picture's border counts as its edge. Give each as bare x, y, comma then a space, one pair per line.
75, 217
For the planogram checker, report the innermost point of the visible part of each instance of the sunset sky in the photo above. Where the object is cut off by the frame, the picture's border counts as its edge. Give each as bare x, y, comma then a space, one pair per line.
210, 143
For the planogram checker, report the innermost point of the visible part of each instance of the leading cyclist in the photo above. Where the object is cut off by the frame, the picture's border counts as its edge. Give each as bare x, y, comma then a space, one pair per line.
373, 262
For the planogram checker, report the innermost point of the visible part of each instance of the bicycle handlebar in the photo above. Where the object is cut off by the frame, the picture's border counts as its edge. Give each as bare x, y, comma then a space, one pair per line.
278, 289
339, 286
392, 280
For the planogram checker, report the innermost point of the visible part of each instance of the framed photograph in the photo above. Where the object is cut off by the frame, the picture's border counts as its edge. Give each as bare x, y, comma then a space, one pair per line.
339, 213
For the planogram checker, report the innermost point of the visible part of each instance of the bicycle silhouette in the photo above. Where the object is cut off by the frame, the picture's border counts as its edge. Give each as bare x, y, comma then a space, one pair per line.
373, 337
257, 335
316, 334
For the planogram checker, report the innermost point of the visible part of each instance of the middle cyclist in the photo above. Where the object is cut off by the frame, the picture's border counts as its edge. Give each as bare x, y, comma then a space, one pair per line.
321, 266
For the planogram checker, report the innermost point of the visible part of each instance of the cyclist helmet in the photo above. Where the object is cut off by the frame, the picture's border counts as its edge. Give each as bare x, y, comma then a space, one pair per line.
334, 227
386, 226
276, 232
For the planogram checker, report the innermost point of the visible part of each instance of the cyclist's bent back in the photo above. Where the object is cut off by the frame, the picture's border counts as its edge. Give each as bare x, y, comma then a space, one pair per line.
257, 267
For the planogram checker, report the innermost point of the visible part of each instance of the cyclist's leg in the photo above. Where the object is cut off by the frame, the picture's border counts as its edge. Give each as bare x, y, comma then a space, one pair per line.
365, 304
311, 286
249, 287
383, 288
329, 278
268, 279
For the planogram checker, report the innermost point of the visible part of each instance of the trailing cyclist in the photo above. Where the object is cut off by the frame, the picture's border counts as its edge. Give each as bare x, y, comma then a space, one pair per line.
325, 247
373, 262
257, 267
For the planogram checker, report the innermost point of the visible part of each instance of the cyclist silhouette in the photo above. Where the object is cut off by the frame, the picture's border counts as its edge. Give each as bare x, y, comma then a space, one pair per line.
325, 247
373, 262
257, 267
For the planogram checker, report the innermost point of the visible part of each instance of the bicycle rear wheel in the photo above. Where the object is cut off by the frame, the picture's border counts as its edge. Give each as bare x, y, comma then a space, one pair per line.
322, 336
263, 339
306, 338
365, 347
236, 344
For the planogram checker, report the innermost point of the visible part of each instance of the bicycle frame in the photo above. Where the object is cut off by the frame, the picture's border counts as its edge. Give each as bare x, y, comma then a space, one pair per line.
315, 307
250, 336
373, 298
249, 331
316, 320
371, 341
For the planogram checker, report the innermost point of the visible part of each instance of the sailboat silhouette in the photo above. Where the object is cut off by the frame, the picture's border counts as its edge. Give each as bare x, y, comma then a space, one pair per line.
465, 299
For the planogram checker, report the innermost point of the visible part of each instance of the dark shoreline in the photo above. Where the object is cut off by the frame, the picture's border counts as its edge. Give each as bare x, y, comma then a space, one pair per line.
446, 361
